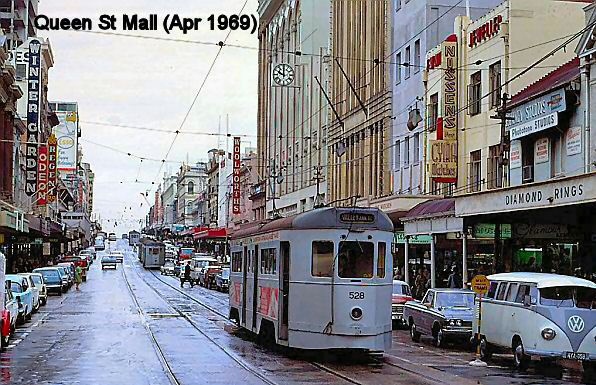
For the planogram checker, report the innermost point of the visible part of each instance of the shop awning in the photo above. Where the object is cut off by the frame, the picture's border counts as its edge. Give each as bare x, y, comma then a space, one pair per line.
560, 76
211, 234
432, 217
193, 231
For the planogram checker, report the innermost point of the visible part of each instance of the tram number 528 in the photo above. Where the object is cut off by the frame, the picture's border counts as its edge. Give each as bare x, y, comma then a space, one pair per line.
356, 295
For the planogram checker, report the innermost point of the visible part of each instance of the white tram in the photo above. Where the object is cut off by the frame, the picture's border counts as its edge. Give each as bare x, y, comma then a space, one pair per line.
317, 280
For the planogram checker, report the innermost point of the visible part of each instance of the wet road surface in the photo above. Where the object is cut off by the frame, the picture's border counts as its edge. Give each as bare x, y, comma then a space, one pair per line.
134, 326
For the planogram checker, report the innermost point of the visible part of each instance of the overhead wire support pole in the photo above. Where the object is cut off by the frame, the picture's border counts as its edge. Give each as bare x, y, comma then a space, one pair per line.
329, 102
352, 87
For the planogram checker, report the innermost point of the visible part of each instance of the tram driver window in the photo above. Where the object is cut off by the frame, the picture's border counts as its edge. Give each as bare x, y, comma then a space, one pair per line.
237, 262
356, 259
322, 258
381, 260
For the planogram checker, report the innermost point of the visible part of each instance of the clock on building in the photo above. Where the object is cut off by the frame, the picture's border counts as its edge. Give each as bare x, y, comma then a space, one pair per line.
283, 74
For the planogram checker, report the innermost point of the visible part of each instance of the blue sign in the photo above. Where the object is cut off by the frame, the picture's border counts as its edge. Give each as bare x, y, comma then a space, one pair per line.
33, 98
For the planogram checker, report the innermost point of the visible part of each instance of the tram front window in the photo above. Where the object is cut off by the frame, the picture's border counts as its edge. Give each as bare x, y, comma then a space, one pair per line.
356, 259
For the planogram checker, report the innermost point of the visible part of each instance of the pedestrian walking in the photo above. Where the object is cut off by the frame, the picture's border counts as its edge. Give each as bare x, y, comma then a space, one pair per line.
186, 276
454, 280
78, 276
420, 284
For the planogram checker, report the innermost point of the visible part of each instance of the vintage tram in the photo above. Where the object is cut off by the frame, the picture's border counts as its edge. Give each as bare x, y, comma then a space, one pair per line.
152, 253
317, 280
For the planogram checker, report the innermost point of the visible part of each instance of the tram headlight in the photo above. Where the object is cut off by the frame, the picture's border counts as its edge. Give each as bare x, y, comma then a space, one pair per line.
356, 313
548, 334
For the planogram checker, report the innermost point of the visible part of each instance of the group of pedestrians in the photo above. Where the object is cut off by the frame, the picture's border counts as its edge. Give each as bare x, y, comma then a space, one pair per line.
422, 281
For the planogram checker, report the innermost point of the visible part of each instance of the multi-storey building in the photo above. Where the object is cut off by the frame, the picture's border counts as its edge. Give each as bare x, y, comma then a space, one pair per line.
169, 197
213, 187
508, 179
191, 180
292, 110
360, 121
17, 20
417, 26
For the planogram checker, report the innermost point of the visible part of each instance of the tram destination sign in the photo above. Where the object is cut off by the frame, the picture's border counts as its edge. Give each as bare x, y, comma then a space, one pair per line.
356, 217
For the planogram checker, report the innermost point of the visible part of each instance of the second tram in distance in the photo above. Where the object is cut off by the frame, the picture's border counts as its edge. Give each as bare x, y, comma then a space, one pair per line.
317, 280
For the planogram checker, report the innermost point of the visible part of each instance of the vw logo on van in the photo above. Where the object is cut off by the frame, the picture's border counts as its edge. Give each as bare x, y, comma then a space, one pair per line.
575, 323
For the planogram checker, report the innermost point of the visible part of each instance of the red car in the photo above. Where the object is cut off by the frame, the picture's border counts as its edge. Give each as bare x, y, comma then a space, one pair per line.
401, 295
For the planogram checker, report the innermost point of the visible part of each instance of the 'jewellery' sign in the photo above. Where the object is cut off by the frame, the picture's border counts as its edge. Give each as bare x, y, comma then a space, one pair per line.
537, 115
33, 97
555, 193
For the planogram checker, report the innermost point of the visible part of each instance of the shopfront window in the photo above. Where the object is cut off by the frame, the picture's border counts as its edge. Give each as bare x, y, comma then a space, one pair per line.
356, 259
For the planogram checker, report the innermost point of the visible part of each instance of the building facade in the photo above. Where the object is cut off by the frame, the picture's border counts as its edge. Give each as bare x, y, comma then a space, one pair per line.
417, 26
292, 110
359, 133
191, 180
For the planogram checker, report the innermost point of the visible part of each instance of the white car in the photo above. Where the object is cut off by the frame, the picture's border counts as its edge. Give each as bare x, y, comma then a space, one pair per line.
118, 255
35, 289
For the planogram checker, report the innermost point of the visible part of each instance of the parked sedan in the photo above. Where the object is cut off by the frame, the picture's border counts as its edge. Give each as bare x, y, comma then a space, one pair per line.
401, 295
222, 280
66, 279
43, 290
35, 290
108, 261
10, 315
23, 294
443, 313
52, 279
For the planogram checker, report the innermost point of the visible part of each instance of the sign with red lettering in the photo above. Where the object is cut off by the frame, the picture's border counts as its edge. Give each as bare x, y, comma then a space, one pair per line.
486, 31
236, 177
42, 175
52, 165
443, 149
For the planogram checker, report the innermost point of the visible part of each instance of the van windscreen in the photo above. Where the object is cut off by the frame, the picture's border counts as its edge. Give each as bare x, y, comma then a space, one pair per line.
568, 296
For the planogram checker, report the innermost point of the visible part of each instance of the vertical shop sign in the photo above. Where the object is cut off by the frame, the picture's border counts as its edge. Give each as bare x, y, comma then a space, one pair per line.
33, 97
42, 175
52, 172
443, 150
236, 177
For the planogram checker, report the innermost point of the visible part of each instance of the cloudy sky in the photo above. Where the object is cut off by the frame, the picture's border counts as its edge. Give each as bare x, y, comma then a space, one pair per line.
149, 83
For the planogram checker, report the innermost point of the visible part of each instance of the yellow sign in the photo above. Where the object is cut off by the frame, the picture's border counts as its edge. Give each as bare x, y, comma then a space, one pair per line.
443, 150
480, 284
1, 238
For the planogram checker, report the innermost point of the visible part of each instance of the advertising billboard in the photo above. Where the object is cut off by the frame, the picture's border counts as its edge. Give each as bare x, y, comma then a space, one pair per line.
66, 135
443, 150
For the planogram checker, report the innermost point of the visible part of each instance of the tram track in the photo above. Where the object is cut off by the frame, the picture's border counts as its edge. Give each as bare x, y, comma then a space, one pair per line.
160, 354
193, 323
317, 365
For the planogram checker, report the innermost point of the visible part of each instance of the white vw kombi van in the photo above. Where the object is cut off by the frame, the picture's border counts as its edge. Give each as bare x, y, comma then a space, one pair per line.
544, 315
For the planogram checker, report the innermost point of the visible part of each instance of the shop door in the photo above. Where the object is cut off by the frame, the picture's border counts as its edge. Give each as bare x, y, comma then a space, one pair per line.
244, 280
284, 285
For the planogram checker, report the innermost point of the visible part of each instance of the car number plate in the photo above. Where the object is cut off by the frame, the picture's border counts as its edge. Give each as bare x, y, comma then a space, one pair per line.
576, 356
